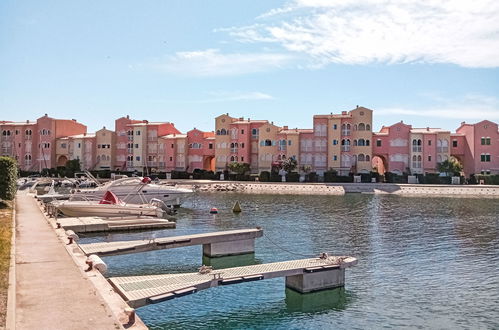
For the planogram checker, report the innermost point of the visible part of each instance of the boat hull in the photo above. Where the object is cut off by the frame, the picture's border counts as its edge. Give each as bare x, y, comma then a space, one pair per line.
85, 209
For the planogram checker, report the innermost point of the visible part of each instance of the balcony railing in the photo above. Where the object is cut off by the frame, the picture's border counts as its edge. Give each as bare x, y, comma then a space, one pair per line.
130, 138
28, 137
345, 148
416, 149
152, 164
130, 150
282, 148
345, 132
442, 149
233, 150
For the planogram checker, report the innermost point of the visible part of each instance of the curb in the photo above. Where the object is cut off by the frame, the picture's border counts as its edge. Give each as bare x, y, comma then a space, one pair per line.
11, 295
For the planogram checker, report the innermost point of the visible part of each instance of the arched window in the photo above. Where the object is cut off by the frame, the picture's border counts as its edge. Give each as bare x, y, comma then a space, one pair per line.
361, 158
361, 142
268, 143
223, 131
355, 127
368, 158
368, 127
354, 143
367, 142
362, 127
218, 132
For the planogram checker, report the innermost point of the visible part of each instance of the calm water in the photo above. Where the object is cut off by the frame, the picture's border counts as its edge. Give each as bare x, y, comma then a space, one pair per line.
423, 263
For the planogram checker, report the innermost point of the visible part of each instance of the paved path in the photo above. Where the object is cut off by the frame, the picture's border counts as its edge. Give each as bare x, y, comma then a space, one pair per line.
51, 292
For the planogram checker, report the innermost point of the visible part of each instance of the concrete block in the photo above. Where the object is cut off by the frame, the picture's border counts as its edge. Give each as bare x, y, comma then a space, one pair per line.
229, 248
310, 282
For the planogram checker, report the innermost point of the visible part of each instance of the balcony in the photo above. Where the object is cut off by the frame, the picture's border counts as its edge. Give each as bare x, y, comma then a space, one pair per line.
233, 150
345, 148
130, 138
152, 164
282, 148
416, 148
130, 150
28, 137
345, 132
442, 149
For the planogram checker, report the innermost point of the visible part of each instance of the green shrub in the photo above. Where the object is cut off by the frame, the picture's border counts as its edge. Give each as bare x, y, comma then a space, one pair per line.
264, 176
488, 179
180, 175
293, 177
311, 177
8, 177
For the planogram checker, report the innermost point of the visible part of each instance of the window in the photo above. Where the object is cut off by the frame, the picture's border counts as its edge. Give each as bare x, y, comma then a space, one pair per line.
429, 158
136, 146
254, 133
368, 143
137, 158
361, 127
267, 143
79, 145
289, 142
242, 145
335, 127
171, 159
63, 145
210, 146
335, 157
454, 143
335, 142
242, 131
378, 143
485, 157
242, 158
368, 127
429, 142
137, 133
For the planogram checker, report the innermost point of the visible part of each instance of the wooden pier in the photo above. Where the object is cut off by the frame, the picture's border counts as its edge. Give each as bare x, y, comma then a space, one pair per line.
305, 275
222, 243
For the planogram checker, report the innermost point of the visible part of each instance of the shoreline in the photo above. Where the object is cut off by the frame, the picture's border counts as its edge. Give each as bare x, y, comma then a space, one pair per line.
298, 188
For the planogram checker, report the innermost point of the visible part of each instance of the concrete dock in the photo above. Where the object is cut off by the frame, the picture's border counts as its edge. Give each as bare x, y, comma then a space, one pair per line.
222, 243
305, 275
98, 224
51, 291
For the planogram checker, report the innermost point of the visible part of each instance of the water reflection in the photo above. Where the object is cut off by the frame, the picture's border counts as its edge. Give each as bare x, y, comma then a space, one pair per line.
231, 261
314, 302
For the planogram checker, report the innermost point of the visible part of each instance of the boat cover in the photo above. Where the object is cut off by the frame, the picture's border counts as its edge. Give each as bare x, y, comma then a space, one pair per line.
110, 198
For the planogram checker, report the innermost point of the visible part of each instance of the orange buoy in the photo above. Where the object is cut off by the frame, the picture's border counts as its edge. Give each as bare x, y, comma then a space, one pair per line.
213, 210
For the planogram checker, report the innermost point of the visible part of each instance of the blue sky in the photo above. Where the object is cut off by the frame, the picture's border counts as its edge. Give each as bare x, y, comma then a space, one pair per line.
433, 64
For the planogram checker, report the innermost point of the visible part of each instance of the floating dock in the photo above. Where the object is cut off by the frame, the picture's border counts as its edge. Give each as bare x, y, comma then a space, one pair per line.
222, 243
306, 275
98, 224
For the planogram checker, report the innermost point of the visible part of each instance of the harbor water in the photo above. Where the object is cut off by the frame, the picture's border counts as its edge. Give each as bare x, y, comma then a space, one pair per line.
423, 263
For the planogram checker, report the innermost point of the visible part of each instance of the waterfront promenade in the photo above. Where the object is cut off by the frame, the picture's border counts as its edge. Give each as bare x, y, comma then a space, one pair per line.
51, 292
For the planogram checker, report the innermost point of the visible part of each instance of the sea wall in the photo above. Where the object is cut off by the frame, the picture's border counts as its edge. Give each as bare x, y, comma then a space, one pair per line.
341, 189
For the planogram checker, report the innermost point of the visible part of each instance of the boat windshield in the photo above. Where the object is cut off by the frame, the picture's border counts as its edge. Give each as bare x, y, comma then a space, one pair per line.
110, 198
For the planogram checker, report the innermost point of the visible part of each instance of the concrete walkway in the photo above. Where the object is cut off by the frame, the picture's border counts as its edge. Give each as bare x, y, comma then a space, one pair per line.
51, 292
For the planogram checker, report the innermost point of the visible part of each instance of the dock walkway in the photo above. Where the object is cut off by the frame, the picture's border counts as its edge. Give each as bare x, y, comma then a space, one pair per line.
232, 241
51, 292
301, 275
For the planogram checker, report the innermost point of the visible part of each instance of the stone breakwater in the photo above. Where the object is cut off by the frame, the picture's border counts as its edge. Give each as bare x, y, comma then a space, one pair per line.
341, 189
270, 188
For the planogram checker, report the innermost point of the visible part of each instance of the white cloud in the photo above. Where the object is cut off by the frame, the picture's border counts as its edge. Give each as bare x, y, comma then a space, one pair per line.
460, 32
470, 107
212, 62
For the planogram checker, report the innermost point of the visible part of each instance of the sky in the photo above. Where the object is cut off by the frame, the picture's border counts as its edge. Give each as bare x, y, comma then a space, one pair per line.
429, 63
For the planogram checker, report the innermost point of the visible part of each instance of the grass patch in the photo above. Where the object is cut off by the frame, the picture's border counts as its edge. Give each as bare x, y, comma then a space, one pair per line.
5, 237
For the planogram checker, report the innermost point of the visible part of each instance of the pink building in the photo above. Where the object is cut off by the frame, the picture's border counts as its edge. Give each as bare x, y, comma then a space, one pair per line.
34, 144
201, 150
477, 147
400, 148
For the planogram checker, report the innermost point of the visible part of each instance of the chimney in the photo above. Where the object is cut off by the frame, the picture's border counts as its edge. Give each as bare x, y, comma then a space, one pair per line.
357, 106
73, 120
241, 118
227, 114
27, 121
127, 117
285, 128
248, 120
85, 134
272, 123
463, 122
46, 115
344, 113
146, 121
427, 129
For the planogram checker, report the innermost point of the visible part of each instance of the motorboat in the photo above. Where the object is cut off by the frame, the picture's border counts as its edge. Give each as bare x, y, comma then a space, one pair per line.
52, 195
124, 189
109, 206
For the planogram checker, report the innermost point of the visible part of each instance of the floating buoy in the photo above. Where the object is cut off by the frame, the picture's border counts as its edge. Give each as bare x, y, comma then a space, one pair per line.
236, 208
213, 210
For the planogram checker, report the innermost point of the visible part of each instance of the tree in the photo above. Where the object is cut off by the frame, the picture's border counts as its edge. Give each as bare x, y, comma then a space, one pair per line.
450, 166
239, 168
8, 177
289, 165
73, 165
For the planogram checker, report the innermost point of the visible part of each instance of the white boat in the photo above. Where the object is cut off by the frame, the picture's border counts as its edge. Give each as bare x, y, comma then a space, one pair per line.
124, 189
108, 206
